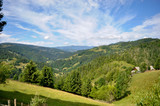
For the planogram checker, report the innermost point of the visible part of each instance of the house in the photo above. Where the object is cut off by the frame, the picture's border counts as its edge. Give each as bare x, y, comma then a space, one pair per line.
151, 68
135, 70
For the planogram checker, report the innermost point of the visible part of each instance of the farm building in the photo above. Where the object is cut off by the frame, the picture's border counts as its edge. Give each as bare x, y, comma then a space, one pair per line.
135, 70
151, 68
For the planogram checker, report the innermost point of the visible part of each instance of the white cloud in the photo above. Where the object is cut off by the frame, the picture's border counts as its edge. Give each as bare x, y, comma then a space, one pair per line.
149, 27
21, 27
6, 38
39, 43
78, 21
154, 21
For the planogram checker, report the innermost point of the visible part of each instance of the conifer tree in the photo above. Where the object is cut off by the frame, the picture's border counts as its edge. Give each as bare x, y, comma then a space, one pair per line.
2, 23
73, 83
47, 77
29, 72
86, 87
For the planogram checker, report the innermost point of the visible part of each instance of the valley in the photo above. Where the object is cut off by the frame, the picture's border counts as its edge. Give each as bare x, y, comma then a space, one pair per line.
98, 76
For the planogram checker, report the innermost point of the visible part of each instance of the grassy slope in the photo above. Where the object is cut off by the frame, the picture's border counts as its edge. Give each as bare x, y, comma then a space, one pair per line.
24, 92
141, 82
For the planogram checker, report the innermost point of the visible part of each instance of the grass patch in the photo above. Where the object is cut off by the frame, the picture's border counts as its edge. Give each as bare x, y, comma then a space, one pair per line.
24, 92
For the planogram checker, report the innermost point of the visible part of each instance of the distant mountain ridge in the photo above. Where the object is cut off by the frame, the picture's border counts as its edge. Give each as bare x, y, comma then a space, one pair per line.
85, 56
35, 53
74, 48
61, 60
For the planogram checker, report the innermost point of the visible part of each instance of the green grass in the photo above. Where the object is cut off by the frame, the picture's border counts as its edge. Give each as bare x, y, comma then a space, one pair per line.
141, 82
24, 92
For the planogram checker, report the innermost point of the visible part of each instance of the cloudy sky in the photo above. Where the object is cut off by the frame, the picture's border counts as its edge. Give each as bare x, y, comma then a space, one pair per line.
79, 22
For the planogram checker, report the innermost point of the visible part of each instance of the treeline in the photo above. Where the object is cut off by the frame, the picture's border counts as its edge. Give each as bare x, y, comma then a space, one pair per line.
113, 81
45, 77
29, 74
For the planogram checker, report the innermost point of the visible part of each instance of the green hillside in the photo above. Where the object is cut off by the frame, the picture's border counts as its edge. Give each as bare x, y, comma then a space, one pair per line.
110, 75
141, 83
24, 92
30, 52
83, 57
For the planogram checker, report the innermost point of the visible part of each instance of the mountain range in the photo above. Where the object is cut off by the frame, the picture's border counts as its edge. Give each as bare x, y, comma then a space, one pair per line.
74, 48
63, 60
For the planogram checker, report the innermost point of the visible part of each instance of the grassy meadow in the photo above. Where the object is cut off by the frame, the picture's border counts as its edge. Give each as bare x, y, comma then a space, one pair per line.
24, 92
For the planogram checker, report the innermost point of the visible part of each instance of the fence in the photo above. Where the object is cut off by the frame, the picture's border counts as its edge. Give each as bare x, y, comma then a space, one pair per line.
9, 103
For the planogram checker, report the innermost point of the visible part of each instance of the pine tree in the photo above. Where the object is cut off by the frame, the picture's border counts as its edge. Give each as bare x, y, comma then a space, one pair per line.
2, 23
73, 83
122, 84
47, 78
86, 87
29, 72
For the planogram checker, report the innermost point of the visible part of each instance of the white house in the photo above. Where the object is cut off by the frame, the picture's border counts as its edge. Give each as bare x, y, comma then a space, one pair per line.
151, 68
136, 70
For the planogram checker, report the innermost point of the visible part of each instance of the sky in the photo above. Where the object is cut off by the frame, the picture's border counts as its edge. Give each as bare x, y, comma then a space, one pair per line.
52, 23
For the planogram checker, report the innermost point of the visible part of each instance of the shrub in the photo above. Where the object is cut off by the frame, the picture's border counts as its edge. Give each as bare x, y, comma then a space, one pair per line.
37, 101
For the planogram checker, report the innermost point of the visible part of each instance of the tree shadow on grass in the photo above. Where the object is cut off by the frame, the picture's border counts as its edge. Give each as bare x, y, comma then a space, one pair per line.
26, 98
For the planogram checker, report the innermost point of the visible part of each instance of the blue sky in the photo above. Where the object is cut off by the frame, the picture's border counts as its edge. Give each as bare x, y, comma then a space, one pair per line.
79, 22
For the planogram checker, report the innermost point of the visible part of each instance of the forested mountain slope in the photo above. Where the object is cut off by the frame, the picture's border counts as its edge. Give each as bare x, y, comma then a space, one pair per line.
108, 77
66, 61
85, 56
74, 48
30, 52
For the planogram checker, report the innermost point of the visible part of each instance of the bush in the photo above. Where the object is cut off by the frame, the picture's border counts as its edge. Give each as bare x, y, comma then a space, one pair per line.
107, 93
37, 101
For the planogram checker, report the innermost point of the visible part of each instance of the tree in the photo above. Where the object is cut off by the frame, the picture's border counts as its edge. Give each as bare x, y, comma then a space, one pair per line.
2, 23
59, 82
29, 72
157, 64
86, 87
4, 73
122, 84
73, 83
47, 77
100, 82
